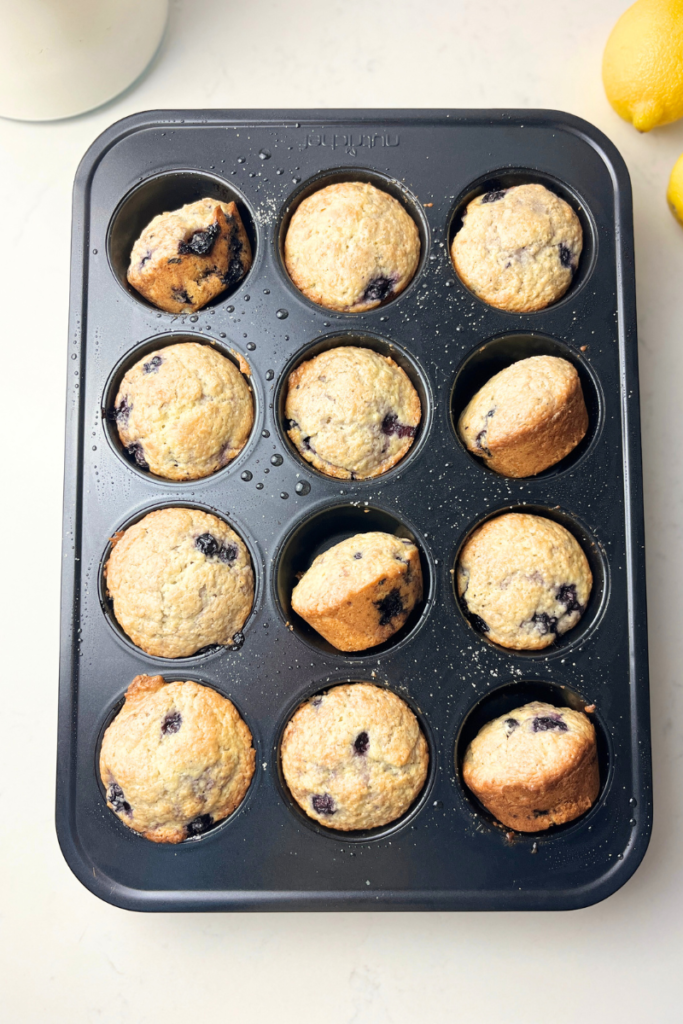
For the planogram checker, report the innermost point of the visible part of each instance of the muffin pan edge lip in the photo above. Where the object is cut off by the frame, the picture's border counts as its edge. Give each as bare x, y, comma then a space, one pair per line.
557, 893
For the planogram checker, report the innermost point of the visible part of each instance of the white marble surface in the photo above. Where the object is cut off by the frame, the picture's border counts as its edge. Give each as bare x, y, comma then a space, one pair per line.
66, 957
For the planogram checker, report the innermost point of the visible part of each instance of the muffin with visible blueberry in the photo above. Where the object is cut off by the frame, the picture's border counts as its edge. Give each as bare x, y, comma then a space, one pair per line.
351, 412
534, 767
180, 580
354, 757
350, 247
518, 248
187, 257
527, 417
184, 411
177, 759
523, 580
360, 592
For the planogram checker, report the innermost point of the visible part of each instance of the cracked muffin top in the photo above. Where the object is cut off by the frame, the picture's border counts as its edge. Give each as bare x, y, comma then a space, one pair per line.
534, 767
360, 592
180, 579
184, 411
518, 248
523, 580
527, 417
176, 759
350, 247
187, 257
354, 757
351, 412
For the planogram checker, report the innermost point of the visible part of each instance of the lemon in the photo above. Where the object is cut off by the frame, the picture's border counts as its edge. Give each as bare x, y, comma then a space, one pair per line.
642, 67
674, 193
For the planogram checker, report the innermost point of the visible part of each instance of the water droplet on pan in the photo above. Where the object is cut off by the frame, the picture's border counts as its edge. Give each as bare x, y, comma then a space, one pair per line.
282, 314
270, 374
283, 494
264, 154
251, 346
259, 487
265, 433
303, 487
276, 460
247, 475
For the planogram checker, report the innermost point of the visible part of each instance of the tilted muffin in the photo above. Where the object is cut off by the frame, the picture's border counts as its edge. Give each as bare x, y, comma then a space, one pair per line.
351, 246
535, 767
176, 759
180, 580
527, 417
354, 757
360, 592
187, 257
351, 412
523, 580
518, 248
184, 411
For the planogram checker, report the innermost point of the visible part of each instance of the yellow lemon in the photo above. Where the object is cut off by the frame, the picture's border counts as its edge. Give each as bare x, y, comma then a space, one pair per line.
642, 68
674, 193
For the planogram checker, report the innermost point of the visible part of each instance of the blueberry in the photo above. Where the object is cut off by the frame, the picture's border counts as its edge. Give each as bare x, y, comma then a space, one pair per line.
171, 722
544, 623
306, 444
389, 607
174, 261
358, 554
117, 800
180, 295
390, 425
123, 411
323, 803
235, 269
201, 242
316, 702
202, 823
361, 743
493, 196
378, 289
154, 364
479, 623
291, 424
510, 725
137, 452
565, 256
212, 548
145, 259
566, 595
539, 814
480, 442
546, 723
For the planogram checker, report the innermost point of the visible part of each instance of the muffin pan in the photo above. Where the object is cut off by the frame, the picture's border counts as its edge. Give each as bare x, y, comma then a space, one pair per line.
446, 852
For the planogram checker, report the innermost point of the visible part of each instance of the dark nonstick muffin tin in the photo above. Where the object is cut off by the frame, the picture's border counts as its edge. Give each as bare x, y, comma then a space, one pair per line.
446, 852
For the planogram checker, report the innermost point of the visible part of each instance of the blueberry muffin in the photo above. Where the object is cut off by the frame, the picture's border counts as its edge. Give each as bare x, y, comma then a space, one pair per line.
180, 580
176, 759
184, 411
527, 417
185, 258
354, 757
518, 248
523, 580
360, 592
350, 247
351, 412
534, 767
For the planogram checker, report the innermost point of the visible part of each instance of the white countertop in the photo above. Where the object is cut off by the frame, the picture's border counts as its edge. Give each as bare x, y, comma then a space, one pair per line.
66, 956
